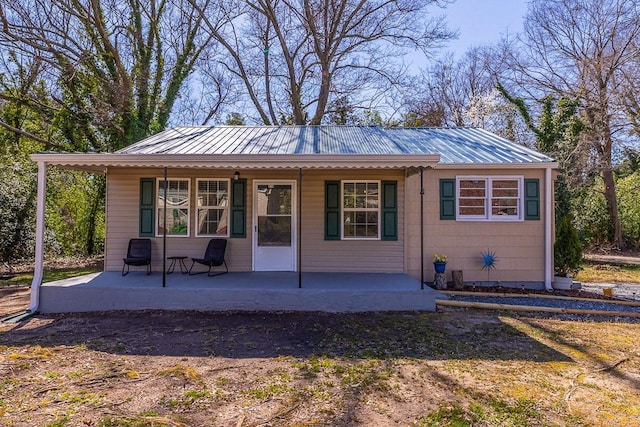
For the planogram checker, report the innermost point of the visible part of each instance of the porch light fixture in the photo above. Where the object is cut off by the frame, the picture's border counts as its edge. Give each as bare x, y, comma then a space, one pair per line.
236, 175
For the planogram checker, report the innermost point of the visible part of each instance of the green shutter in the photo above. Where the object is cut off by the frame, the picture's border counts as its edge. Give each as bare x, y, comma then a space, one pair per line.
389, 210
238, 212
531, 199
447, 199
332, 210
147, 207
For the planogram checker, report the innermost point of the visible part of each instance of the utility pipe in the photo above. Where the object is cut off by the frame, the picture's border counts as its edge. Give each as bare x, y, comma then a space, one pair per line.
38, 270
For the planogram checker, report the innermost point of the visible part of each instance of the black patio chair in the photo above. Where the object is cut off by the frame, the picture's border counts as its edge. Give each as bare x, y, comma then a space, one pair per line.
138, 254
213, 257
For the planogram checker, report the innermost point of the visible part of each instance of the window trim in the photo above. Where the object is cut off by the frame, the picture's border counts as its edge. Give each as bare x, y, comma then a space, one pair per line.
343, 209
488, 216
227, 208
161, 206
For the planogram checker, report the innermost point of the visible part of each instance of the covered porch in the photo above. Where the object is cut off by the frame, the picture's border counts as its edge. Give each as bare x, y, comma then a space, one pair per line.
238, 291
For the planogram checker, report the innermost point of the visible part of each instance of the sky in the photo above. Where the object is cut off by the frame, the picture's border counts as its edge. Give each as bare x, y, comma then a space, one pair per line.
482, 22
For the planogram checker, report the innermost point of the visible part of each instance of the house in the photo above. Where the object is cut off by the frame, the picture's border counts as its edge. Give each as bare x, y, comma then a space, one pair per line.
328, 199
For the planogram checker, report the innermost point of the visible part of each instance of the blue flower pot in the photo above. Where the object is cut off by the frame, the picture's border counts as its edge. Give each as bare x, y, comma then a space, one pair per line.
439, 266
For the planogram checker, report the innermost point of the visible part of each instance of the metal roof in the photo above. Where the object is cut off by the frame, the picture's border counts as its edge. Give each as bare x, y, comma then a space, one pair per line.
454, 145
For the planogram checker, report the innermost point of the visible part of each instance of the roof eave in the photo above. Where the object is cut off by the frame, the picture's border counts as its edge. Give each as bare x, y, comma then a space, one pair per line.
511, 165
99, 162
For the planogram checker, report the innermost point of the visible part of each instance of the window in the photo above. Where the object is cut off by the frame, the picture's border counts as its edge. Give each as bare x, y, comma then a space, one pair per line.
177, 191
505, 198
212, 207
360, 210
496, 198
472, 198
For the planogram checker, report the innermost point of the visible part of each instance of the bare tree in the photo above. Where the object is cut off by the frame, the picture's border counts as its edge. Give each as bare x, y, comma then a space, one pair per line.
114, 68
630, 92
105, 73
581, 49
462, 92
295, 58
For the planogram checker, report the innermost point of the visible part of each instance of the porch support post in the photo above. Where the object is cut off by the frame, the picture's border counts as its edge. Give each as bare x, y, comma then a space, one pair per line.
299, 248
548, 229
39, 250
164, 233
421, 227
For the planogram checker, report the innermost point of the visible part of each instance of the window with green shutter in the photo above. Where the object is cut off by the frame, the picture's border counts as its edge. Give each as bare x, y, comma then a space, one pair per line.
147, 207
361, 210
239, 208
332, 210
490, 198
389, 210
531, 199
447, 199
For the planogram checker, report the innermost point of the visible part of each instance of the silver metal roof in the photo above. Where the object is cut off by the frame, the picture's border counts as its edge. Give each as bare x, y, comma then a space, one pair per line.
455, 145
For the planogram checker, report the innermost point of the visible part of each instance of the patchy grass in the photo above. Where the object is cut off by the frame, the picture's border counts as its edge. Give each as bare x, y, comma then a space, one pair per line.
600, 272
187, 374
456, 367
52, 274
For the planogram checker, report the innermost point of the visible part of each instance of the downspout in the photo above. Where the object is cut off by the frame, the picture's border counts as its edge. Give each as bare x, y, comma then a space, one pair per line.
39, 250
548, 229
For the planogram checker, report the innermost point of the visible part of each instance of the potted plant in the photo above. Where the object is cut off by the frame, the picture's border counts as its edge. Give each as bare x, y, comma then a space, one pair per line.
567, 253
439, 263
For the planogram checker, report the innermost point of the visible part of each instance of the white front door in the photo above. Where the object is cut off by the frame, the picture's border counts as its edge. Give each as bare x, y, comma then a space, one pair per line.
274, 230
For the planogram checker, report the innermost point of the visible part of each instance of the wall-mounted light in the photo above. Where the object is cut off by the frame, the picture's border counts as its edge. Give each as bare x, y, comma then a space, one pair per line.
236, 175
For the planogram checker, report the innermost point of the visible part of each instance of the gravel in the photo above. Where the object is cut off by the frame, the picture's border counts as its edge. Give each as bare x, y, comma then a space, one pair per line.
625, 291
629, 292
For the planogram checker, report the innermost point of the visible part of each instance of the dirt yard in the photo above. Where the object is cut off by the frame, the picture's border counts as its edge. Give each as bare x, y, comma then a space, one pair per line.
453, 367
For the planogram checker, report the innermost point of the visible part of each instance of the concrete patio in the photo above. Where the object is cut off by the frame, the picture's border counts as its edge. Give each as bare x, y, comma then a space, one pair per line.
251, 291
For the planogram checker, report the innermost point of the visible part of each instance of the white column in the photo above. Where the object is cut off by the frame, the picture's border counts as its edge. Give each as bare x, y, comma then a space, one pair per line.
39, 261
548, 229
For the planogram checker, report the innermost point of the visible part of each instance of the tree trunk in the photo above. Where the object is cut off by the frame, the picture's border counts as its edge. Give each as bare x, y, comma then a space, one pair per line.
612, 206
606, 151
97, 203
323, 98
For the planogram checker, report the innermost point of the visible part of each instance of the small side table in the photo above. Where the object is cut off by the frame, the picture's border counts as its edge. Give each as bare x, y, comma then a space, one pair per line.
180, 261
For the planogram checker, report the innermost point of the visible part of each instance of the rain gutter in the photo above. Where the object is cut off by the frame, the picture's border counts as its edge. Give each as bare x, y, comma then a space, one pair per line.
548, 228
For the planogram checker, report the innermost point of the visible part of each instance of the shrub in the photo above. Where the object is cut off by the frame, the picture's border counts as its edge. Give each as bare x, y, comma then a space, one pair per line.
567, 251
628, 189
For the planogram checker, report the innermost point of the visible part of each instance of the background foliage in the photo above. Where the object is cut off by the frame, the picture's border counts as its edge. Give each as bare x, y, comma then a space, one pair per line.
99, 75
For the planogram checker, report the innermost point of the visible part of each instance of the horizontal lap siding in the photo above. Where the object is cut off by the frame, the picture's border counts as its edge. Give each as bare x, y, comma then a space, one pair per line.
372, 256
519, 246
122, 220
317, 254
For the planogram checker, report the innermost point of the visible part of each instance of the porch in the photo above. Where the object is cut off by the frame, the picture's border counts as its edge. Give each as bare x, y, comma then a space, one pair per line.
238, 291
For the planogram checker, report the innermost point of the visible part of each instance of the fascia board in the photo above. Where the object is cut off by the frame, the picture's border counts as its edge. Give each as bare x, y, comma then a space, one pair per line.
531, 165
257, 161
